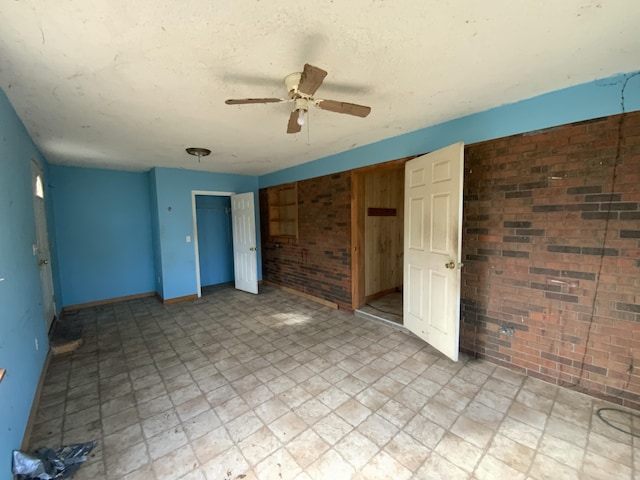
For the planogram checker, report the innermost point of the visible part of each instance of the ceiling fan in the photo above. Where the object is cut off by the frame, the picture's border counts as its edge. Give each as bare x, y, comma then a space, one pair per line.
301, 87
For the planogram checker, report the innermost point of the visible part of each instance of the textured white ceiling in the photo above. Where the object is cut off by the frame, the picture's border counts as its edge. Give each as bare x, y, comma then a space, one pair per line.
129, 84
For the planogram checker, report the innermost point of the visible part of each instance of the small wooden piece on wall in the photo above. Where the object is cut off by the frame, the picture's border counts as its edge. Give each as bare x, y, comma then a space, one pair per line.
2, 373
382, 212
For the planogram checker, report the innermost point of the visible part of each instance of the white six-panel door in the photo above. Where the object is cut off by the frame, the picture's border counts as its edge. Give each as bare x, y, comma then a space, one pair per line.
245, 254
432, 247
41, 249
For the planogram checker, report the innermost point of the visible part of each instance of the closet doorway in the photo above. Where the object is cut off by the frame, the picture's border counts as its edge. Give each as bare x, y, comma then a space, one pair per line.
378, 233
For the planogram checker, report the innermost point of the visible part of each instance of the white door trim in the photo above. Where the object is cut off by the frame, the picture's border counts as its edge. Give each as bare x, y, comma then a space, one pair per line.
195, 227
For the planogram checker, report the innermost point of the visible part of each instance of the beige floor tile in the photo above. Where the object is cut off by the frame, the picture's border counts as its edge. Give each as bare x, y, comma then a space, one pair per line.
166, 442
601, 468
201, 424
562, 451
457, 451
287, 426
396, 413
407, 450
212, 444
179, 463
229, 464
259, 445
520, 432
571, 413
353, 412
119, 421
424, 431
472, 431
236, 386
333, 397
159, 423
127, 461
144, 473
330, 465
123, 439
440, 414
490, 468
332, 428
493, 400
278, 466
312, 411
154, 407
377, 429
452, 399
192, 408
356, 449
383, 466
567, 431
243, 426
307, 447
511, 453
437, 467
528, 415
539, 387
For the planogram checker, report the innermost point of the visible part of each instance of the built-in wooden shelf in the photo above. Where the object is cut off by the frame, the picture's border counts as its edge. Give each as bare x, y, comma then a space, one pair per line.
283, 211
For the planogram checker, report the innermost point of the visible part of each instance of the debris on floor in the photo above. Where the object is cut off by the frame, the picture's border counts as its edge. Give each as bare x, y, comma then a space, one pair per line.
66, 334
48, 464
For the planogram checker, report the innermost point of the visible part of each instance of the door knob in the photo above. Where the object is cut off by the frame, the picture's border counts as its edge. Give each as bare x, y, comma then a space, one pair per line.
44, 262
252, 249
450, 265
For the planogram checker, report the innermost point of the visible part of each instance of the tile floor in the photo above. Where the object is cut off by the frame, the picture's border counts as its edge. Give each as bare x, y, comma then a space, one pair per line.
236, 386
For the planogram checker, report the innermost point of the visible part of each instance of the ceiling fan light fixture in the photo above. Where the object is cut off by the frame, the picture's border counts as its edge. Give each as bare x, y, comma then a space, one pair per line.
301, 117
198, 152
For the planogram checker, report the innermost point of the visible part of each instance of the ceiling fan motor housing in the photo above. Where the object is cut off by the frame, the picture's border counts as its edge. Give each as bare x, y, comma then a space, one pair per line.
292, 81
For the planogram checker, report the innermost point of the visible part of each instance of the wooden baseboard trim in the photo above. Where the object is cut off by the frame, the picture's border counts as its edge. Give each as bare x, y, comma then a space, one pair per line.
313, 298
381, 294
107, 301
186, 298
36, 403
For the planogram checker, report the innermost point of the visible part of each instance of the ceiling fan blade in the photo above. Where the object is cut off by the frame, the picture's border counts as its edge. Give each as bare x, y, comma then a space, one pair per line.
343, 107
242, 101
293, 126
311, 79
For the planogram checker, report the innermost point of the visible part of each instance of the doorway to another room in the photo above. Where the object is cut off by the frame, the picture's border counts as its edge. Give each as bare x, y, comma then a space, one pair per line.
406, 244
228, 223
214, 239
378, 195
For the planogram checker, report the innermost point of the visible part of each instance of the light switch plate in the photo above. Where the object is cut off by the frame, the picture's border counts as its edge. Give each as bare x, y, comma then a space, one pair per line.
188, 238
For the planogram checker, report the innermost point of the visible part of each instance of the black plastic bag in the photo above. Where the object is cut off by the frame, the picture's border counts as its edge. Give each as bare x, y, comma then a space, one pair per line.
48, 464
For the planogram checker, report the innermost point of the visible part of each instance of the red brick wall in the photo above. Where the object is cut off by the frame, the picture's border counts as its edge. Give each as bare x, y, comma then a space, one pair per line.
319, 263
551, 249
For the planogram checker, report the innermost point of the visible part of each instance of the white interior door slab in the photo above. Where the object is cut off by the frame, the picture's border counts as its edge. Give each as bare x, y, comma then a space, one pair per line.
432, 247
42, 249
245, 253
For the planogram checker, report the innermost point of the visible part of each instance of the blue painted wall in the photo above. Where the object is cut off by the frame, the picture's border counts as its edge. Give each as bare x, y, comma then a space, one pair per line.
215, 239
581, 102
21, 312
175, 222
104, 234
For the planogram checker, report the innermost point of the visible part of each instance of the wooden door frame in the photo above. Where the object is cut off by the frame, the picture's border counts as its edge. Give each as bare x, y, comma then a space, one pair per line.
358, 274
